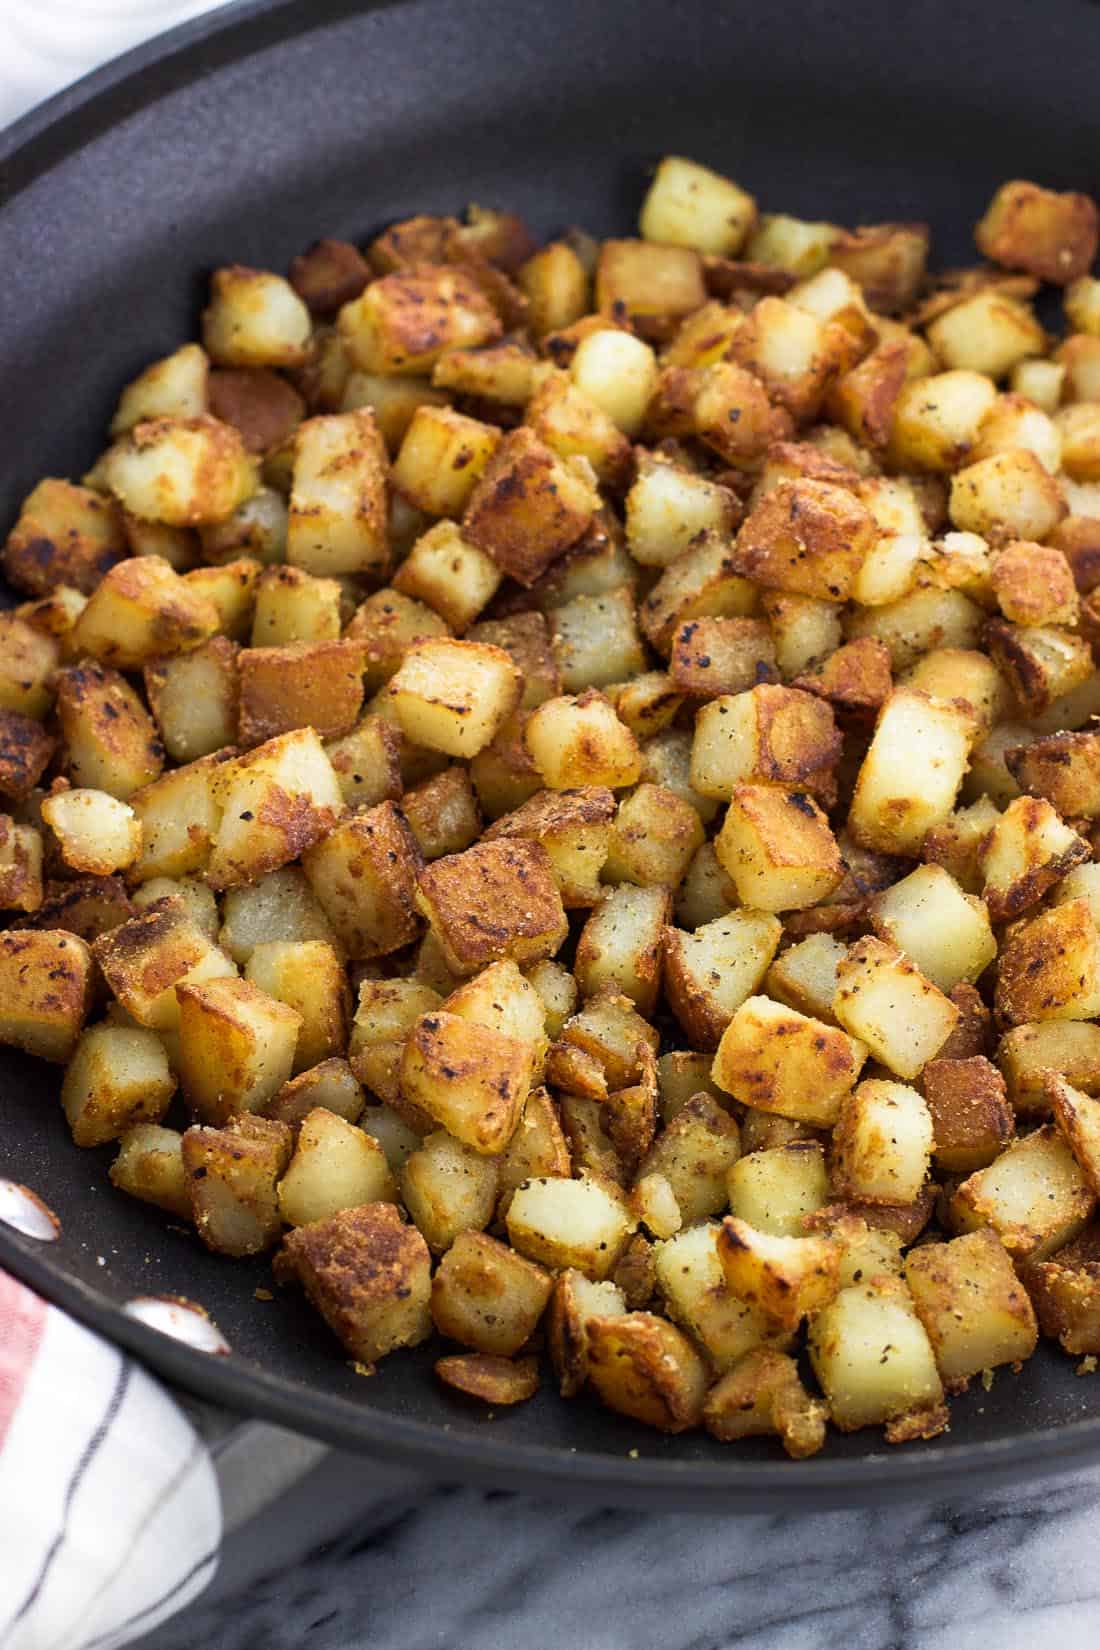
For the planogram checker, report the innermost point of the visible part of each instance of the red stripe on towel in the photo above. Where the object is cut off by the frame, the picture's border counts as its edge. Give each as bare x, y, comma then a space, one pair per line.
22, 1320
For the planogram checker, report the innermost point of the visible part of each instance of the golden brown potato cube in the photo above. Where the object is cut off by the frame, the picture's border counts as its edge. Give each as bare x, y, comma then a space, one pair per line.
529, 506
369, 1276
1034, 585
775, 1187
180, 471
146, 957
503, 774
236, 1046
863, 399
574, 826
1047, 234
963, 673
579, 741
804, 976
335, 1166
1079, 429
777, 848
875, 1362
728, 409
92, 831
806, 538
443, 813
884, 1000
645, 284
1062, 767
328, 274
118, 1077
780, 1061
694, 1292
937, 419
773, 734
526, 637
498, 899
231, 1179
142, 609
709, 974
793, 353
721, 656
45, 991
260, 405
173, 387
292, 606
1026, 852
646, 1368
972, 1121
28, 659
309, 977
1027, 1052
575, 1301
667, 507
305, 684
337, 522
882, 1143
471, 1079
386, 1013
621, 944
109, 739
21, 887
786, 1278
1035, 1196
648, 703
486, 1296
596, 641
363, 873
453, 696
700, 583
1016, 421
926, 618
562, 1223
367, 763
610, 1029
387, 623
331, 1085
1050, 968
689, 205
85, 906
558, 991
943, 930
254, 319
494, 1380
404, 322
555, 283
693, 1154
1077, 1115
149, 1166
232, 589
1041, 663
65, 535
988, 333
279, 906
451, 575
442, 457
1065, 1292
911, 774
956, 842
887, 260
764, 1396
653, 839
1010, 494
501, 372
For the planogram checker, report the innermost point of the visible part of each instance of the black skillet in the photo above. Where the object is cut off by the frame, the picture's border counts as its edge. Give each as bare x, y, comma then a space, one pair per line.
243, 137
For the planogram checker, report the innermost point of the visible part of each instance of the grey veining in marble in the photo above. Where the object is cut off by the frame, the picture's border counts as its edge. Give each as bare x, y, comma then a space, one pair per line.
468, 1570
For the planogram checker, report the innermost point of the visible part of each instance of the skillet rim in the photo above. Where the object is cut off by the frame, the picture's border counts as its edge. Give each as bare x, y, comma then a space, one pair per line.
29, 148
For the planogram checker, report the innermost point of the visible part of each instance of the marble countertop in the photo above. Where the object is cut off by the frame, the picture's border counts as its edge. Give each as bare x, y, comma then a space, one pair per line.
414, 1568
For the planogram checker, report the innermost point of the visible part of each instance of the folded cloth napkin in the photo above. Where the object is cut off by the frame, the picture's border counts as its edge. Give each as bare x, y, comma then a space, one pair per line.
110, 1517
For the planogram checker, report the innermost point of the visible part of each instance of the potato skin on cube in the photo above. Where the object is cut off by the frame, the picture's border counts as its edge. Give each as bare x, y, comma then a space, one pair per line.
369, 1276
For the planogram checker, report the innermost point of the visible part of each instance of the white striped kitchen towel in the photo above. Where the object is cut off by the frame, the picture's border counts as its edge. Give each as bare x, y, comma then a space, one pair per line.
110, 1517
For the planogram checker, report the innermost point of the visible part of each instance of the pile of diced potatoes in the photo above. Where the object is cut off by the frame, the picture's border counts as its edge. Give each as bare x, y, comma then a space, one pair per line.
555, 789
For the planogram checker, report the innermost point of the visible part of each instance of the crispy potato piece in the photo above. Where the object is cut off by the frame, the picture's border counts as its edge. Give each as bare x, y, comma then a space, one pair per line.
1050, 968
1035, 1196
337, 522
646, 1368
486, 1296
236, 1046
764, 1396
45, 991
882, 1144
109, 739
260, 405
404, 322
1078, 1116
118, 1077
529, 506
709, 974
787, 1278
331, 1084
494, 1380
304, 684
92, 831
369, 1276
180, 471
1049, 235
875, 1361
472, 1079
1062, 767
1065, 1291
777, 848
149, 1166
689, 205
277, 801
695, 1293
780, 1061
574, 826
498, 899
65, 535
883, 999
453, 696
562, 1223
806, 538
145, 958
972, 1121
772, 734
911, 774
363, 873
231, 1180
335, 1166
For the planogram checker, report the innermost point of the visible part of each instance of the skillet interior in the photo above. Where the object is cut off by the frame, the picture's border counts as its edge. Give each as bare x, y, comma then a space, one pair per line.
242, 138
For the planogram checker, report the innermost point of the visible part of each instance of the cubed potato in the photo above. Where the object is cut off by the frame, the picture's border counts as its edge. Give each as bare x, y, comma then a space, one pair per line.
147, 957
702, 582
304, 684
1027, 1052
764, 1396
709, 974
387, 623
988, 333
65, 535
654, 1202
293, 606
956, 842
85, 906
109, 739
118, 1078
337, 520
727, 407
1041, 663
1050, 968
972, 1121
1047, 234
486, 1296
793, 353
443, 813
1010, 493
21, 887
236, 1046
882, 1144
309, 977
579, 741
195, 698
1062, 767
1078, 356
232, 1174
453, 696
1077, 1115
772, 734
864, 398
404, 322
695, 1293
451, 575
653, 839
529, 506
777, 848
647, 1369
555, 283
945, 932
328, 274
911, 774
963, 673
255, 531
648, 285
682, 1074
25, 752
331, 1085
386, 1013
501, 372
1040, 382
180, 471
441, 459
363, 874
1016, 421
791, 244
806, 538
622, 944
668, 507
619, 373
92, 831
335, 1166
706, 892
786, 1278
173, 387
689, 205
149, 1166
254, 319
693, 1153
1034, 585
526, 638
884, 1000
712, 656
887, 260
557, 990
805, 631
927, 618
471, 1079
574, 827
583, 1224
608, 1029
196, 898
367, 763
1034, 1196
875, 1362
369, 1276
276, 801
596, 641
1028, 850
804, 976
279, 906
780, 1061
575, 1301
773, 1190
511, 880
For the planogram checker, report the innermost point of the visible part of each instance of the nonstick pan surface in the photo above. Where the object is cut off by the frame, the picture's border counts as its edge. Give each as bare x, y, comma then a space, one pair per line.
242, 138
